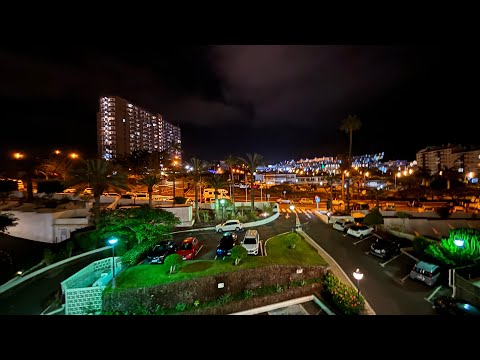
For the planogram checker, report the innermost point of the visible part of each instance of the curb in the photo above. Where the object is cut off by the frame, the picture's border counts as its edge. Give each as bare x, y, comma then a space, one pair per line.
336, 269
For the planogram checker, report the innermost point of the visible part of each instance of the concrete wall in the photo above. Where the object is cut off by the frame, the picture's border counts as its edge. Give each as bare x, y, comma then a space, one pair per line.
48, 227
428, 227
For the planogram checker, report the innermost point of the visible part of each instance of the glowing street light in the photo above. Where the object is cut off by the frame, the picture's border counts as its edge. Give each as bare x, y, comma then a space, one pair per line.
18, 155
222, 202
359, 276
292, 208
459, 242
113, 242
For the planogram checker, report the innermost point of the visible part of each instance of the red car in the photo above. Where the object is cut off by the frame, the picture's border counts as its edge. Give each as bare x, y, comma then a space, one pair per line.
188, 248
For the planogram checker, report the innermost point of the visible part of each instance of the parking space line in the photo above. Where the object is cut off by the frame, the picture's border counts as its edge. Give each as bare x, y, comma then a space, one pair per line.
433, 294
405, 277
200, 248
359, 241
386, 262
367, 252
215, 258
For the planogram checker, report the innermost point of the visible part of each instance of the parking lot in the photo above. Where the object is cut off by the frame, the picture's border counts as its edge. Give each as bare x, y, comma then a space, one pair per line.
398, 268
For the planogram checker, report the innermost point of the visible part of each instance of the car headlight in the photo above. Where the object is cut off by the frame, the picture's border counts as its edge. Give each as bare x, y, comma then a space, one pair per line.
382, 251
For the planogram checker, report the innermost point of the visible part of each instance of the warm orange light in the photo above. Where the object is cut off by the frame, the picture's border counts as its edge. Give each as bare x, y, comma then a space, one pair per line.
18, 156
57, 152
366, 174
74, 155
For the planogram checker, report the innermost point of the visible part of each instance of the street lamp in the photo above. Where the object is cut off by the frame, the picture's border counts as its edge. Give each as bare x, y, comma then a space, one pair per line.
397, 175
113, 242
459, 242
292, 208
359, 276
222, 202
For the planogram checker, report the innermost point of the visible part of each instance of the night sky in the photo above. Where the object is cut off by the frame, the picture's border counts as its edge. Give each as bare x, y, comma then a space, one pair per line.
281, 101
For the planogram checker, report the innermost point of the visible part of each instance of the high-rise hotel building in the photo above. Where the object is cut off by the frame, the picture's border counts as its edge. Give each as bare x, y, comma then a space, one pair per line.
123, 127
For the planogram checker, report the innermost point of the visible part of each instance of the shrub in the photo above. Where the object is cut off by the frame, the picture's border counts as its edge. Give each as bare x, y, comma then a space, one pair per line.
132, 256
291, 240
238, 253
181, 307
420, 245
173, 262
224, 299
346, 299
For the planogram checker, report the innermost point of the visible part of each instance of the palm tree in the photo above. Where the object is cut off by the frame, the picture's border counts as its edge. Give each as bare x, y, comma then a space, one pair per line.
217, 182
349, 125
150, 181
198, 167
231, 161
100, 175
252, 162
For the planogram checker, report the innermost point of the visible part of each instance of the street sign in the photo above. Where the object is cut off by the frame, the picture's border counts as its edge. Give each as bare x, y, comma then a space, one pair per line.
284, 192
317, 199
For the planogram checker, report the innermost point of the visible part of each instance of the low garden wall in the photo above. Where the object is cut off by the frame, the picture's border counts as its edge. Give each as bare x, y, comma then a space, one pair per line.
208, 288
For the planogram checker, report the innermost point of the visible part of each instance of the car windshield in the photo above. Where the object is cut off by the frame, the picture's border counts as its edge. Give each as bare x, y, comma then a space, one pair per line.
250, 241
160, 248
186, 246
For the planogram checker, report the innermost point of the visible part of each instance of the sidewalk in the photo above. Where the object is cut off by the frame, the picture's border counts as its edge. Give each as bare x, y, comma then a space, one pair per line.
335, 269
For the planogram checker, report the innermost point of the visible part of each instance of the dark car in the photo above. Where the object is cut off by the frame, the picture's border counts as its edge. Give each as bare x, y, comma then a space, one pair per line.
385, 248
161, 251
447, 305
226, 243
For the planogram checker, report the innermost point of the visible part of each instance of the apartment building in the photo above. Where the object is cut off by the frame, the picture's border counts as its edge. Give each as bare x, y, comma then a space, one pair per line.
465, 159
123, 127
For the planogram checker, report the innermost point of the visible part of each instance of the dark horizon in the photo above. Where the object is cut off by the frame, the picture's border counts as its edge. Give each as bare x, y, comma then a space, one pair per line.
283, 102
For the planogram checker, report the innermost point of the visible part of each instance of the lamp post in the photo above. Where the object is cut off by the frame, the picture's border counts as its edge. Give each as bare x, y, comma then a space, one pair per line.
222, 202
359, 276
292, 208
397, 175
113, 242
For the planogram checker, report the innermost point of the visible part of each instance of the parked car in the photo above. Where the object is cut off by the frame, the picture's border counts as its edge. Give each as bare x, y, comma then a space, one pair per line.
226, 243
188, 248
113, 194
284, 201
384, 248
229, 225
447, 305
343, 224
389, 207
161, 251
88, 191
251, 242
360, 231
426, 272
70, 191
305, 201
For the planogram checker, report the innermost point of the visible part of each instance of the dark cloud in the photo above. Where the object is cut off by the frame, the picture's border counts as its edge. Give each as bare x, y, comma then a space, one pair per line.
283, 101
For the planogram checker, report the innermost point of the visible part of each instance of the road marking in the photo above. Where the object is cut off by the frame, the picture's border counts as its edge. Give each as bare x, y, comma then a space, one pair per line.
386, 262
367, 252
215, 258
308, 216
344, 235
394, 278
200, 248
405, 277
433, 294
359, 241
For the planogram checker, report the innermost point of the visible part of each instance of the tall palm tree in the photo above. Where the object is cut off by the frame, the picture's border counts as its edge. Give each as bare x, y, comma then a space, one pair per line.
231, 161
100, 175
198, 167
349, 125
252, 162
150, 180
217, 182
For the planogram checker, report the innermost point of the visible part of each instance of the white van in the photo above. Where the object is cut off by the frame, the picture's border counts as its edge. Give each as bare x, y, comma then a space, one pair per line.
251, 242
209, 193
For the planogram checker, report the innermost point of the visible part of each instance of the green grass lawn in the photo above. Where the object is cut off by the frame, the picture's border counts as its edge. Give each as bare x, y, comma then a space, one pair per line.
278, 252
